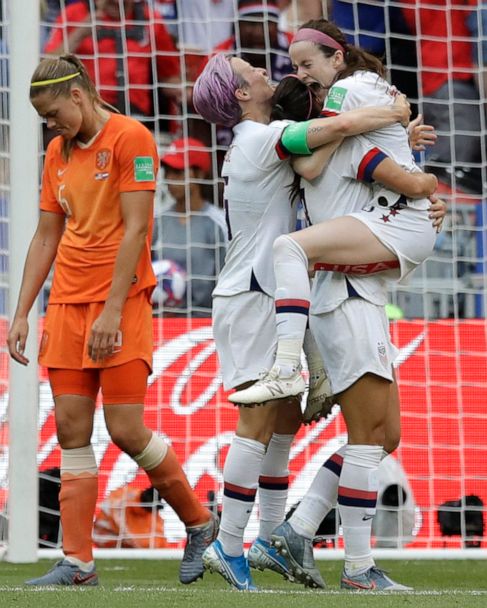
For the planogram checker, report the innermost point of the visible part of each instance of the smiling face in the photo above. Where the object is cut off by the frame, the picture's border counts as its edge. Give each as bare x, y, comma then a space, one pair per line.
257, 85
312, 65
62, 113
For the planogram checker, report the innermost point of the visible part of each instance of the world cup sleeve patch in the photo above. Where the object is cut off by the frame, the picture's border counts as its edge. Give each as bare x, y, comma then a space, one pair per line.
144, 169
335, 98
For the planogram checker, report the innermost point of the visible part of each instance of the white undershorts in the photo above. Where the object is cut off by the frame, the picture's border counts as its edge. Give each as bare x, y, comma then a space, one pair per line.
354, 340
407, 232
244, 329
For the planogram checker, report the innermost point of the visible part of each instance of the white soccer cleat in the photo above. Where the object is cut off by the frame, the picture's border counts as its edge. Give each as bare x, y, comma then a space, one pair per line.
271, 387
319, 401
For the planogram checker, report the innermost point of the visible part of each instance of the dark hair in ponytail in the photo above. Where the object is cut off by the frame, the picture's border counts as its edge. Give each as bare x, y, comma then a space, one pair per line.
294, 100
355, 58
53, 68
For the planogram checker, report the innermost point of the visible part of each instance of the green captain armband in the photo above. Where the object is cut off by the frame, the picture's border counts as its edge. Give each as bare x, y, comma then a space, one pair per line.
295, 138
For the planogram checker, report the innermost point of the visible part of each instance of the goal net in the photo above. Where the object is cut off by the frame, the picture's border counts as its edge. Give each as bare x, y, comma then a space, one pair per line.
433, 490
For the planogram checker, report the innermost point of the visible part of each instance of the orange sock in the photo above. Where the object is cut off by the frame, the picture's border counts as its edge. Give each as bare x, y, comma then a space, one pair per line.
77, 499
172, 484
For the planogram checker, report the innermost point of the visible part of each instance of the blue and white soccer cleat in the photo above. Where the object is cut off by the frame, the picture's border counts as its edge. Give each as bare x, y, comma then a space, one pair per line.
297, 551
373, 579
235, 570
66, 573
263, 556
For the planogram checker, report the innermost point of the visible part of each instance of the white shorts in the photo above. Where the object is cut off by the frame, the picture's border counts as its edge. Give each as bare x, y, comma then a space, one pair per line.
407, 232
354, 340
244, 328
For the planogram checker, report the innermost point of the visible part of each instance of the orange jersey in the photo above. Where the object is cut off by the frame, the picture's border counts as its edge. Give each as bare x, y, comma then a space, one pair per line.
87, 189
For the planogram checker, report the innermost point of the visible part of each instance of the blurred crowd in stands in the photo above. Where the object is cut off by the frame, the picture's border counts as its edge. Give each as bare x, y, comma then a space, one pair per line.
144, 56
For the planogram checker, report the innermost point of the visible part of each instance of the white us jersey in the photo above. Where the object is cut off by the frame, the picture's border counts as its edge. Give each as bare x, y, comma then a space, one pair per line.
366, 89
344, 187
257, 174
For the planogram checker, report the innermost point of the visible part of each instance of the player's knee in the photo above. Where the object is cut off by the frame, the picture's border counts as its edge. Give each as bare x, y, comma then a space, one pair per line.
280, 246
72, 432
128, 439
286, 247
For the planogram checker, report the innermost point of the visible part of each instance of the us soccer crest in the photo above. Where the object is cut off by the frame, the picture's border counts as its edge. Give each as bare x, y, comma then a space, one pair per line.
102, 159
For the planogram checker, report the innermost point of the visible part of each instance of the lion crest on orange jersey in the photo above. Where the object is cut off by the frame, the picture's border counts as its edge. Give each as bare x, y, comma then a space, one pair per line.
102, 159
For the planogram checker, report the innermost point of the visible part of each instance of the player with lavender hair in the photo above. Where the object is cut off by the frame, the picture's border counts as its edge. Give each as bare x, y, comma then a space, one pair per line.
257, 172
214, 93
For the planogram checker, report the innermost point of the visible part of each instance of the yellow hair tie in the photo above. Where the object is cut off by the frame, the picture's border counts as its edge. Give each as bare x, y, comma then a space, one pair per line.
43, 83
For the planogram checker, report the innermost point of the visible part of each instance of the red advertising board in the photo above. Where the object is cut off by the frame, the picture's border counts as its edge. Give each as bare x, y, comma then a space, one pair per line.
442, 372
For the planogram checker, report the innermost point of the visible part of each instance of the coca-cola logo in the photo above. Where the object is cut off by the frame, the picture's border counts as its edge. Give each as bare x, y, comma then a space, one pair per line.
442, 373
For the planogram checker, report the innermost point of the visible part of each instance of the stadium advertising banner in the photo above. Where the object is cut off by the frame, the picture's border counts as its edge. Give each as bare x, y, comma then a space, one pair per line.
442, 372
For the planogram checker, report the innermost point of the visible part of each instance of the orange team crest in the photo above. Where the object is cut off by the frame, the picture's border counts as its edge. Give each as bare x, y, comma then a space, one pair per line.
102, 159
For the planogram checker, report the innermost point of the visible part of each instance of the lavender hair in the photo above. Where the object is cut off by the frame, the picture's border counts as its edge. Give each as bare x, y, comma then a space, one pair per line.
214, 92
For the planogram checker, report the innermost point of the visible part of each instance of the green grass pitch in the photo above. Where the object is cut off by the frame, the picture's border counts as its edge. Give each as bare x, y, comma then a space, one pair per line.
154, 584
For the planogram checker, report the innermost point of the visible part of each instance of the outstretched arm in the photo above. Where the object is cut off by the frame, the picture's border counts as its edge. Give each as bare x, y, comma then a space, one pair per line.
303, 137
355, 122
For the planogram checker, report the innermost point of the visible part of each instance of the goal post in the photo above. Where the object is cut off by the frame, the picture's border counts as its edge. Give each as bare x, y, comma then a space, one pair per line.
438, 320
23, 391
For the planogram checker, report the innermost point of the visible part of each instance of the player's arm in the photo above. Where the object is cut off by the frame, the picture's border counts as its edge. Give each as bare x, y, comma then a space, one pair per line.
412, 185
40, 257
303, 137
136, 210
312, 166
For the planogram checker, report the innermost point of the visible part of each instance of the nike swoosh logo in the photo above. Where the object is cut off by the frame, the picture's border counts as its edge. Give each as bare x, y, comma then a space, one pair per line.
406, 351
61, 172
79, 579
360, 585
367, 517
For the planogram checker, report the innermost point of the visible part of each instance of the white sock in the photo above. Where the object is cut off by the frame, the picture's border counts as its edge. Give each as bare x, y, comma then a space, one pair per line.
287, 358
292, 298
274, 484
320, 498
357, 498
240, 480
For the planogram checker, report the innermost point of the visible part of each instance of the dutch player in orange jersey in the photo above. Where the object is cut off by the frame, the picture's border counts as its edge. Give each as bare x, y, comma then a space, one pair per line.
95, 222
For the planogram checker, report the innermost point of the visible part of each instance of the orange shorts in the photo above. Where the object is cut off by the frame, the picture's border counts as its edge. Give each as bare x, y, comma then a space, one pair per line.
123, 384
67, 327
